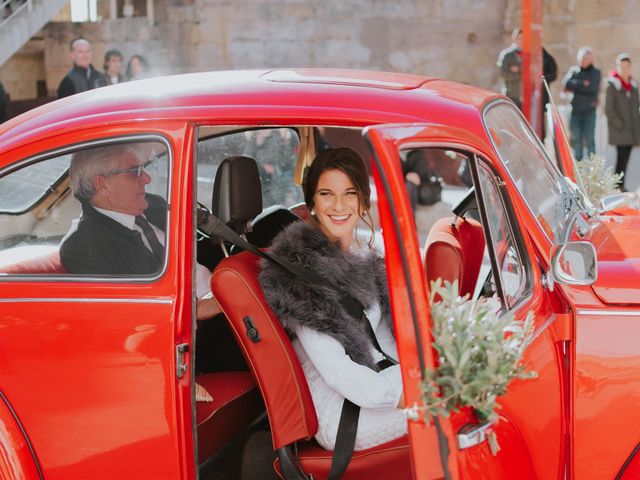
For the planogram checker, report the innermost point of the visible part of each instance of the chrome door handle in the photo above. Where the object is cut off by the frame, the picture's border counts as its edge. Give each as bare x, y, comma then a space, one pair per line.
471, 435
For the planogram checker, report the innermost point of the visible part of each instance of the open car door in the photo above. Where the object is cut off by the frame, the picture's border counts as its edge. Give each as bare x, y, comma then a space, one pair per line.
464, 452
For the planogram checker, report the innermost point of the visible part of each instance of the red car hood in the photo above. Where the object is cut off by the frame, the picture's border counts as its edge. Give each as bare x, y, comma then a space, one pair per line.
617, 241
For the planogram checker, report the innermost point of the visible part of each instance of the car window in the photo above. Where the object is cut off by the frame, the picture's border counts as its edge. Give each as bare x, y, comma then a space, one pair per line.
540, 183
77, 212
24, 188
275, 151
511, 268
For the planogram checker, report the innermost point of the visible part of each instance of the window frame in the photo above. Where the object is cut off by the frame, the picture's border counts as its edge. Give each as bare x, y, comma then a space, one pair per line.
70, 149
235, 131
511, 221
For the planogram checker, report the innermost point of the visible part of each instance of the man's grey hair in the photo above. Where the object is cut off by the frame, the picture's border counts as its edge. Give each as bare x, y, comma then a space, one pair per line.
87, 164
582, 51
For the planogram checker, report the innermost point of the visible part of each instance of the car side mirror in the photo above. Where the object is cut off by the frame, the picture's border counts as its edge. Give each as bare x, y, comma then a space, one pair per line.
617, 200
574, 263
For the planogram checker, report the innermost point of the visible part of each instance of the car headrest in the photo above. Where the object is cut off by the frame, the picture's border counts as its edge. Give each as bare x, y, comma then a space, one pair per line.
237, 194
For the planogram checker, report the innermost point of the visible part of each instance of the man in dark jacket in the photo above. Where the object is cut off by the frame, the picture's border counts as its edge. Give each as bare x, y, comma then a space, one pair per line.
82, 76
510, 66
583, 80
4, 103
550, 72
121, 231
122, 228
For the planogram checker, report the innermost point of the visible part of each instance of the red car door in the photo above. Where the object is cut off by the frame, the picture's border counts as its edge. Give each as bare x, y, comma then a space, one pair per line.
533, 430
90, 362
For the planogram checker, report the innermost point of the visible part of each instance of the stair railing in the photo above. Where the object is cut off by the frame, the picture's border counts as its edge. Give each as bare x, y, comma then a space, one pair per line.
9, 10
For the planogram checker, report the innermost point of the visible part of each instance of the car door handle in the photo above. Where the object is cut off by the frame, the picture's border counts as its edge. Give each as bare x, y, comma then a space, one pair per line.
471, 435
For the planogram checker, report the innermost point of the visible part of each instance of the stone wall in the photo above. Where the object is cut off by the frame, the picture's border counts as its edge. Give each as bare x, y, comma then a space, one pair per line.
456, 39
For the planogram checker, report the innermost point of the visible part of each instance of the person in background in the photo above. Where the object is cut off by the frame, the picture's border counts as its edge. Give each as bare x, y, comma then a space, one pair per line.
423, 187
113, 67
550, 72
510, 66
4, 103
583, 80
622, 109
82, 76
138, 68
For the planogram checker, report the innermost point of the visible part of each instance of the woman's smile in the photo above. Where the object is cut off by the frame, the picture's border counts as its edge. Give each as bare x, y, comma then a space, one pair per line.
337, 206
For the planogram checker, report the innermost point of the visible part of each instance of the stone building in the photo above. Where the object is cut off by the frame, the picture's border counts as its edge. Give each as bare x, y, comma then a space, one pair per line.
456, 39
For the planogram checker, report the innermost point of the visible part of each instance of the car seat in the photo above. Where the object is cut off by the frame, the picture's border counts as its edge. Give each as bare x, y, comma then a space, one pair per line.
453, 251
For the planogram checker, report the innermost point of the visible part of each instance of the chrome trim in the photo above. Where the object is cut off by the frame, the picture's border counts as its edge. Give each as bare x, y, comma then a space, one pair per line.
165, 301
611, 313
471, 435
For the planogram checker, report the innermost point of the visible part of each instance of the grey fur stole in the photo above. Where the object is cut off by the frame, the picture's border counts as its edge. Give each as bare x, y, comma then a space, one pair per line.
297, 302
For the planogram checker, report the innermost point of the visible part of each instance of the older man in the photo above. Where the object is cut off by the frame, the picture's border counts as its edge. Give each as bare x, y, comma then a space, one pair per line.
82, 76
122, 228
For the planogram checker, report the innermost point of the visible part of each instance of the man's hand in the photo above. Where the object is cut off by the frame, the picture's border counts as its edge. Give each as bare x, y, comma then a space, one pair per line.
207, 308
514, 68
585, 83
414, 178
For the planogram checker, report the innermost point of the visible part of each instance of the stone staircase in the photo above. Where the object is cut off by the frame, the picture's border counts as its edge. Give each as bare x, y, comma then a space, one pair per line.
25, 20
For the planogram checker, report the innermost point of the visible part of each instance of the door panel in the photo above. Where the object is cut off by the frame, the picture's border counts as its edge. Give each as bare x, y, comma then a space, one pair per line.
88, 362
532, 430
92, 383
607, 391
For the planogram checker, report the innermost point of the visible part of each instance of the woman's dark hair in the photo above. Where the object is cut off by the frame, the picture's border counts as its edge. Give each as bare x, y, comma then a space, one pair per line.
143, 61
108, 56
349, 163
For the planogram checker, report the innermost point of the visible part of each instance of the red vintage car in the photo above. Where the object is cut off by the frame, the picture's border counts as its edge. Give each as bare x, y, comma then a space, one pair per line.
98, 370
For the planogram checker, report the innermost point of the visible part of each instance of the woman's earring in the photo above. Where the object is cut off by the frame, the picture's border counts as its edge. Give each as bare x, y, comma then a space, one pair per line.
313, 212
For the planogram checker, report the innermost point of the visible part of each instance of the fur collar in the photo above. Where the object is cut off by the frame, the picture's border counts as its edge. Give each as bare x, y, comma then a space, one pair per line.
296, 302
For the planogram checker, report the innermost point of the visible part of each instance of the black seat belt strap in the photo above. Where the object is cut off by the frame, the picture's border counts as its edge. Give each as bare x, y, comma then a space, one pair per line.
345, 439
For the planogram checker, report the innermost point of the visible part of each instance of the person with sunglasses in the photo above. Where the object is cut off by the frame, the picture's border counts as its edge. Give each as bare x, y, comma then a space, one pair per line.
122, 227
121, 231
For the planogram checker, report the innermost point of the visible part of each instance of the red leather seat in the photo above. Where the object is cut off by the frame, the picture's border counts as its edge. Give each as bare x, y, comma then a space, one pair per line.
45, 264
454, 251
236, 404
284, 388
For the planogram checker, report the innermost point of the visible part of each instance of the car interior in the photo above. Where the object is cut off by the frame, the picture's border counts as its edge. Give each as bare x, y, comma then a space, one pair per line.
250, 178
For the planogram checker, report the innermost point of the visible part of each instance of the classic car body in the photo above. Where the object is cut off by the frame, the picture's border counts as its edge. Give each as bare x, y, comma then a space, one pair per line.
97, 377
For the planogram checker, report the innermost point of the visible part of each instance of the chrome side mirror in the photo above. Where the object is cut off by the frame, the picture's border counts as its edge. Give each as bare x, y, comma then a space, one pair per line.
616, 200
574, 263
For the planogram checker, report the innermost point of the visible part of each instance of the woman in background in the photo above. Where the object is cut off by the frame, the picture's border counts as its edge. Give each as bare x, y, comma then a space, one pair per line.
113, 67
138, 68
623, 117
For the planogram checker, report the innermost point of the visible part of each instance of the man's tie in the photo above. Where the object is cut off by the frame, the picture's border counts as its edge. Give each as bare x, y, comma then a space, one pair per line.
154, 243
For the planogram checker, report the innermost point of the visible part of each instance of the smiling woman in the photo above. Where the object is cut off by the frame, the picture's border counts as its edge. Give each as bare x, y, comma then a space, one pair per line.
347, 360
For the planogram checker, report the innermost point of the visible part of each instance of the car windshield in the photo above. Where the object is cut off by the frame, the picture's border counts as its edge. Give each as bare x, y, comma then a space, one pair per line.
543, 187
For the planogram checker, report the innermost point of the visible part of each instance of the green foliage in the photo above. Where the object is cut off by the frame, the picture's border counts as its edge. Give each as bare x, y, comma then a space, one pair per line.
479, 353
598, 180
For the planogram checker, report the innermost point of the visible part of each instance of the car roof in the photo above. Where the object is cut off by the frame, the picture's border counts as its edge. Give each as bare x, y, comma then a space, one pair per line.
383, 97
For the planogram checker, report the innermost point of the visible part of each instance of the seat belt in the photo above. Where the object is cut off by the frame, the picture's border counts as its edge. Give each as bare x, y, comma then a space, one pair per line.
348, 423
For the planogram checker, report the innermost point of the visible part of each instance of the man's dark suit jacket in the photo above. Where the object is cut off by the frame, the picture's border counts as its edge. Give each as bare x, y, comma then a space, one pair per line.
100, 245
